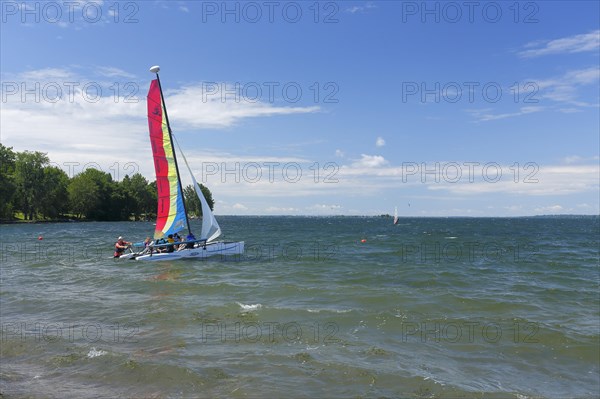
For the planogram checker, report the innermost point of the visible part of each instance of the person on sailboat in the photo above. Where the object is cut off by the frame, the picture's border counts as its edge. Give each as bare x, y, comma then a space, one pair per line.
161, 248
190, 237
181, 246
120, 246
170, 240
148, 246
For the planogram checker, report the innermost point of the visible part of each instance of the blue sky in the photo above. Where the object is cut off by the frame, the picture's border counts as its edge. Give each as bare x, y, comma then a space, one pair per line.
321, 108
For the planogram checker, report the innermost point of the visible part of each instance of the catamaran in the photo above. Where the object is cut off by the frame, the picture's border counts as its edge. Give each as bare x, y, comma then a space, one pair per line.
172, 216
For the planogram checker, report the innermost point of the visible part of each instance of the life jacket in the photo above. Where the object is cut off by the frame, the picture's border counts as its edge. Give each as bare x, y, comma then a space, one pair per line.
190, 238
118, 251
170, 248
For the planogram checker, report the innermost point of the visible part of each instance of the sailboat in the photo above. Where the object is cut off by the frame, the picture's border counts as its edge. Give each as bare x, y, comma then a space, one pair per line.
172, 216
395, 215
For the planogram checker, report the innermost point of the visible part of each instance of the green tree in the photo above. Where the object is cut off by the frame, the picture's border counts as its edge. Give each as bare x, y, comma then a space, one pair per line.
55, 198
29, 181
137, 188
7, 181
153, 199
122, 204
192, 202
91, 195
83, 195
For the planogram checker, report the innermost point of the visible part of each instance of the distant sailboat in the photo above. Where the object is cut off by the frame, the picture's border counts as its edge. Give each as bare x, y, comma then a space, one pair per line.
395, 215
172, 214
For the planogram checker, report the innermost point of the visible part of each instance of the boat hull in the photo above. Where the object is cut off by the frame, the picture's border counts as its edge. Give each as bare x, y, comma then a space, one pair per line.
203, 251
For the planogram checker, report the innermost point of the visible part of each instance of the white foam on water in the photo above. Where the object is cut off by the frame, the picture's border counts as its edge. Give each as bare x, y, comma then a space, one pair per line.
95, 353
249, 307
329, 310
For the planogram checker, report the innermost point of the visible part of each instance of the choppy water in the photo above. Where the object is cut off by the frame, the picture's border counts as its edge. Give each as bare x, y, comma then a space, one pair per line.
469, 308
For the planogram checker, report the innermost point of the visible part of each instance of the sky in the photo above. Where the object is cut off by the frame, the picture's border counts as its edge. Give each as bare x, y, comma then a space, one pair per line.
320, 108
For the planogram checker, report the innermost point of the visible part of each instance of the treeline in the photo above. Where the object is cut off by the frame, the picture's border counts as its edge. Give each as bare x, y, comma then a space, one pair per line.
31, 187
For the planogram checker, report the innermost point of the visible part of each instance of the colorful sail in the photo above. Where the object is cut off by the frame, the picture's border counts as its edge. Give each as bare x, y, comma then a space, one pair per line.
170, 216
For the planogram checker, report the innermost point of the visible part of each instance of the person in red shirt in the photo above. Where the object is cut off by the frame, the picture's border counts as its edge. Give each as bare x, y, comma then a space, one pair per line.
120, 246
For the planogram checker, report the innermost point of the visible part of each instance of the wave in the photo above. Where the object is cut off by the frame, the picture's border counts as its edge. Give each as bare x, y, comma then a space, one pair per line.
329, 310
95, 353
249, 308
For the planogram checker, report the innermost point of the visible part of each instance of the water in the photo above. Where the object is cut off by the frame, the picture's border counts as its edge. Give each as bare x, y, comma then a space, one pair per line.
432, 308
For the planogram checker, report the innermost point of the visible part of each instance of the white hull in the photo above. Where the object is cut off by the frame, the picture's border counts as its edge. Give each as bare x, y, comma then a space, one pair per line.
203, 251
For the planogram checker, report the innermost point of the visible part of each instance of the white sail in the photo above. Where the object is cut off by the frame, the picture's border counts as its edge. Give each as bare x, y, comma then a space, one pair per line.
210, 227
396, 215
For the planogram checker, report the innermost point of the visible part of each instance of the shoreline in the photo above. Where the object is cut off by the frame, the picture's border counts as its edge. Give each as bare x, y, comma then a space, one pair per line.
18, 221
62, 221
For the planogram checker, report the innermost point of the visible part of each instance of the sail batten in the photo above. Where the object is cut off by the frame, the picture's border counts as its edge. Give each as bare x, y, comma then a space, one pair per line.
170, 216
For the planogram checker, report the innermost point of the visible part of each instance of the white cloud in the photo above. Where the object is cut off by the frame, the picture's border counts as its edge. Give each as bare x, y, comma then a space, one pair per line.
370, 161
113, 72
587, 42
281, 210
514, 208
569, 110
240, 207
46, 75
380, 142
552, 209
484, 115
324, 207
573, 159
531, 181
566, 88
353, 10
339, 153
192, 107
576, 159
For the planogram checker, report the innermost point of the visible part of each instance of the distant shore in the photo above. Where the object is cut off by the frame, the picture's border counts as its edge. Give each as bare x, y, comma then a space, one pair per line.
21, 221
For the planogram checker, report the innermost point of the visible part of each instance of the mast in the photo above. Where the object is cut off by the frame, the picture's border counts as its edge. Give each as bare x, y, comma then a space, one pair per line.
155, 70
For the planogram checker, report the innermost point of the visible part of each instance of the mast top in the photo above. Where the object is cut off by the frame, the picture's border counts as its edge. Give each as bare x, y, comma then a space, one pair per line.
155, 69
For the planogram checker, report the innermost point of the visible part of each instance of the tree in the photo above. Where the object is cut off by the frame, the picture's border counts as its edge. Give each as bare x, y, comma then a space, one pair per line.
137, 189
122, 204
29, 181
153, 199
192, 202
54, 199
7, 181
83, 195
91, 195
